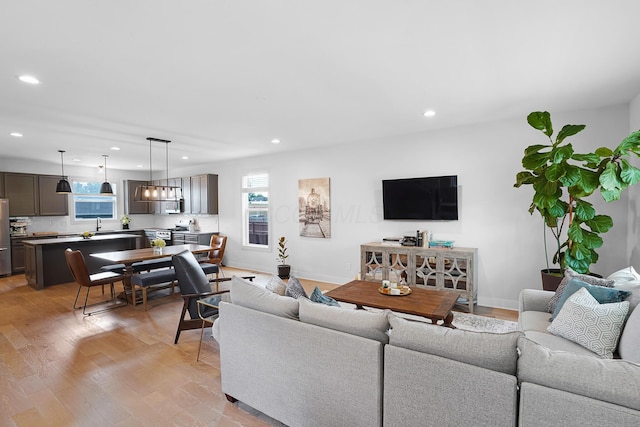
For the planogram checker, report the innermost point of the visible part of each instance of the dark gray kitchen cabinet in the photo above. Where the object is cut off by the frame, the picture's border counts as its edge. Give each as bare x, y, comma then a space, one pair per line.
21, 189
49, 202
130, 205
204, 194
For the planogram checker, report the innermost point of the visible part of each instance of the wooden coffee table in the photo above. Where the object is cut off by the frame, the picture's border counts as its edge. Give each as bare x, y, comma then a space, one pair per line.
432, 304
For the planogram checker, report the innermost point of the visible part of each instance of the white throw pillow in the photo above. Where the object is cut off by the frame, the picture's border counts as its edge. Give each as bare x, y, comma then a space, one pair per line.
625, 275
276, 285
594, 326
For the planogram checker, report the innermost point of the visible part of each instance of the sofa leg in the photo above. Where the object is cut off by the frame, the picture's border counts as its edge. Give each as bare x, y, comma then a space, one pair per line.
230, 398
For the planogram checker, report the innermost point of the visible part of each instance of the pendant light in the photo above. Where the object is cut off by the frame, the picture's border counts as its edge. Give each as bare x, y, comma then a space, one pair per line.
157, 193
63, 186
105, 188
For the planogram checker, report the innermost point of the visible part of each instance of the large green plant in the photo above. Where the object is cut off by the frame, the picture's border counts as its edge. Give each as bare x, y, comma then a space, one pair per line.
562, 179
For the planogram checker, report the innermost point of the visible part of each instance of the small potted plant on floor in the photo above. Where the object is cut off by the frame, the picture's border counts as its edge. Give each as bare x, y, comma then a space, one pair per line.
284, 269
562, 179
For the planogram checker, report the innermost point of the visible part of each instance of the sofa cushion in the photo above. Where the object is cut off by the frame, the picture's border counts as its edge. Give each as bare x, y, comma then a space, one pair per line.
319, 297
534, 321
276, 285
602, 294
250, 295
294, 289
363, 323
626, 274
595, 326
613, 381
629, 346
570, 274
554, 342
484, 349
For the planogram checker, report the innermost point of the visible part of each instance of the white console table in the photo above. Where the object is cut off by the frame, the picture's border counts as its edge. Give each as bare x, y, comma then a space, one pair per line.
453, 270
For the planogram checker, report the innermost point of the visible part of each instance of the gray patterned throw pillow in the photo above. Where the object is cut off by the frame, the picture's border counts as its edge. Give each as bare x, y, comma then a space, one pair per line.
295, 289
568, 275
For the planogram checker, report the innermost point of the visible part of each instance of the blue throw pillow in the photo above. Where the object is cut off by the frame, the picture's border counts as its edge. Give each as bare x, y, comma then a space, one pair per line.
602, 294
318, 296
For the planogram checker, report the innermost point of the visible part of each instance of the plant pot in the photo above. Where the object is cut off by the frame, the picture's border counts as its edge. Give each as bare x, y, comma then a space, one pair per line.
551, 278
283, 271
125, 226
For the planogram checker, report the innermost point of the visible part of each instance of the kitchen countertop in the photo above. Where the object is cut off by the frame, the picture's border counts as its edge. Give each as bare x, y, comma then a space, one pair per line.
56, 234
62, 240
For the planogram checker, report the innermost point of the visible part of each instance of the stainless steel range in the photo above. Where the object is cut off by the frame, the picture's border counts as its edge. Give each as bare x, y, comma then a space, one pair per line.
163, 233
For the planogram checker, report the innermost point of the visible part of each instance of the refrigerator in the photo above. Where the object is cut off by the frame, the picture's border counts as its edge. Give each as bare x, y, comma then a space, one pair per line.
5, 239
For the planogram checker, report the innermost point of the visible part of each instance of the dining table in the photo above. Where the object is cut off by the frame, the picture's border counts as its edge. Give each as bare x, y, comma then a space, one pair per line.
128, 257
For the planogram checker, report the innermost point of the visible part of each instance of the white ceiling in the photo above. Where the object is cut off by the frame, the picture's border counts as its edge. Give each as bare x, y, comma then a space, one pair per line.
221, 79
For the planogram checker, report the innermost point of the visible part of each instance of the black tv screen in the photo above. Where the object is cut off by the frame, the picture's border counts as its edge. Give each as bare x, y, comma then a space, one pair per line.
429, 198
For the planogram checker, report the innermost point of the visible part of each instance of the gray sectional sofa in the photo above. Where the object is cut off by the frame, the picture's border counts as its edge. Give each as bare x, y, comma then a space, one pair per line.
309, 364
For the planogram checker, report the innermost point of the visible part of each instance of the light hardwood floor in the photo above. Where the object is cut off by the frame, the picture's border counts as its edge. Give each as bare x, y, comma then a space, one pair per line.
118, 368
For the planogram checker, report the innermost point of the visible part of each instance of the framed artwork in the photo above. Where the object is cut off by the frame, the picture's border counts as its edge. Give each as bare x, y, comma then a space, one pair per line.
314, 207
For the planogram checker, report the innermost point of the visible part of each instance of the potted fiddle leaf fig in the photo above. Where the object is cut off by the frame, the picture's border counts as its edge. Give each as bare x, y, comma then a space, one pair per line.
284, 269
563, 179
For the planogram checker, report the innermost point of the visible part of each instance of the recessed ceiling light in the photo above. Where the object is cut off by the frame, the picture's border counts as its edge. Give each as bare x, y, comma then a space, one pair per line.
29, 79
16, 134
76, 160
185, 157
115, 148
275, 141
429, 113
139, 166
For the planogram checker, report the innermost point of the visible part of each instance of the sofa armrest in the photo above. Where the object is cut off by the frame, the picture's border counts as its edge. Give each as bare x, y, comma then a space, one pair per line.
534, 299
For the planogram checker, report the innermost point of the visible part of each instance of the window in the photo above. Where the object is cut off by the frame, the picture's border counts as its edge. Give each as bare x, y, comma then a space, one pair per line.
255, 210
88, 203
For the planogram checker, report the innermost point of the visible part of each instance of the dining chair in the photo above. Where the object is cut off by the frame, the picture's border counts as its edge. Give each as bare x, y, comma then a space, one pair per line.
218, 243
78, 266
194, 285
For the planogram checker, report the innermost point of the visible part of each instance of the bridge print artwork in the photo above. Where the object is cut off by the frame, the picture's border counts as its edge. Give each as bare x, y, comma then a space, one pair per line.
314, 207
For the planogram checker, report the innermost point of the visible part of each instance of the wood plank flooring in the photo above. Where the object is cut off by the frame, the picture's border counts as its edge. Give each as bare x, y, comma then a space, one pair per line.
118, 368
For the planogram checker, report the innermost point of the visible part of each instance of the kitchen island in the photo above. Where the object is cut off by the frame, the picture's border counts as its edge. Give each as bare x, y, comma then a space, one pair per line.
45, 264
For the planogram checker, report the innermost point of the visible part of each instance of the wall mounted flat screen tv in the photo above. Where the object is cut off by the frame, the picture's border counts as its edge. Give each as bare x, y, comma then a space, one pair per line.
429, 198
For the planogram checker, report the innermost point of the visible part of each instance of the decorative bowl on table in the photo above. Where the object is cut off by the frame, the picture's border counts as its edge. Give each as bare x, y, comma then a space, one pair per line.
398, 291
87, 235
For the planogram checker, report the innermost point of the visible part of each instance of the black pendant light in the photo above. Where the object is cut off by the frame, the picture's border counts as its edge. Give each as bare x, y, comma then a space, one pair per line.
63, 186
105, 188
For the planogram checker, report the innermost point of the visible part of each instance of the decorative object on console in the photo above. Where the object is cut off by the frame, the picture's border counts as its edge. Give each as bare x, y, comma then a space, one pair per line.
284, 269
63, 186
105, 188
562, 179
87, 235
315, 207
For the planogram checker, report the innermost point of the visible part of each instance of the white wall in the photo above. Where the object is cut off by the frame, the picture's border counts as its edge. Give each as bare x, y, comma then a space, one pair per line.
493, 214
633, 239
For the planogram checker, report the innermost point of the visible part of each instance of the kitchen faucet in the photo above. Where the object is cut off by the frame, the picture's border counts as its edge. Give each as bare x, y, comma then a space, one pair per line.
98, 222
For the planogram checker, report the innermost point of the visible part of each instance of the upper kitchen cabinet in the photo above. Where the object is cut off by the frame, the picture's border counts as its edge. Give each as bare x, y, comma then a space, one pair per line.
186, 194
22, 189
49, 202
130, 205
204, 194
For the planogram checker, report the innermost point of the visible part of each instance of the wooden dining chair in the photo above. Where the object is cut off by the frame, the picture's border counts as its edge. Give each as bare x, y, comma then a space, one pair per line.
218, 243
78, 266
